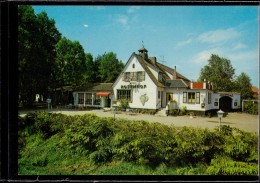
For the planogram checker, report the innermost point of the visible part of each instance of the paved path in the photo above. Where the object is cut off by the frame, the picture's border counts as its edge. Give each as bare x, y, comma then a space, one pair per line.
242, 121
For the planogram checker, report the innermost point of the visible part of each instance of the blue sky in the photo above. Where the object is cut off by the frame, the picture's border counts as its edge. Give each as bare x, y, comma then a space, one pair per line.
182, 36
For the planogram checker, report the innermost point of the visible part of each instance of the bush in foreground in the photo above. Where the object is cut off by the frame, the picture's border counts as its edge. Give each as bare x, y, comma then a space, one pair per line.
101, 141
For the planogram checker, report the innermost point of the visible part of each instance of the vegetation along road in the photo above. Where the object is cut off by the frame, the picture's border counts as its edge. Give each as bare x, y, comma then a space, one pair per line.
243, 121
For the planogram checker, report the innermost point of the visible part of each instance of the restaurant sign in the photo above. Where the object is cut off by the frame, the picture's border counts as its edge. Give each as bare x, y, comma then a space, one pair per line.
133, 86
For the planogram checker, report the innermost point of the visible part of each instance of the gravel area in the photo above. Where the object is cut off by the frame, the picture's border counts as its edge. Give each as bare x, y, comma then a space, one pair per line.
242, 121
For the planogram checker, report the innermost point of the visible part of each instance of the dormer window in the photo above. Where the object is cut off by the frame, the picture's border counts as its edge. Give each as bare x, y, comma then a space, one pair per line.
160, 78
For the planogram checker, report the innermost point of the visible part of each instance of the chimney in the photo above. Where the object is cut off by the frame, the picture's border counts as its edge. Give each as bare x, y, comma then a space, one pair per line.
191, 84
175, 73
204, 84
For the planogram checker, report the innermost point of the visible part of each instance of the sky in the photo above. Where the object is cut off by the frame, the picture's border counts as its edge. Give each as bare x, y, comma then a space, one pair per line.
181, 36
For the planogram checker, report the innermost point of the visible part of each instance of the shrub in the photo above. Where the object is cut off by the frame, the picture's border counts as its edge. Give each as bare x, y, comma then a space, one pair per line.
173, 112
124, 104
222, 165
251, 107
151, 144
183, 110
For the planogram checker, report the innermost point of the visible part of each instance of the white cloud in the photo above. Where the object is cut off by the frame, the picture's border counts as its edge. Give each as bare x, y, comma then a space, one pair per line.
218, 36
133, 9
85, 25
203, 56
245, 56
183, 43
239, 46
122, 19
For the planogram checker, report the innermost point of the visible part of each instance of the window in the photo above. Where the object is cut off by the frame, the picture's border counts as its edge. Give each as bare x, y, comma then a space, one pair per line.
126, 76
80, 98
184, 97
133, 76
159, 94
97, 100
160, 78
140, 76
88, 99
124, 94
191, 97
133, 66
197, 97
209, 98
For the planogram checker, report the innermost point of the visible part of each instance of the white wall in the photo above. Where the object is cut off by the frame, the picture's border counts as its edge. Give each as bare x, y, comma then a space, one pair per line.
178, 97
155, 73
150, 90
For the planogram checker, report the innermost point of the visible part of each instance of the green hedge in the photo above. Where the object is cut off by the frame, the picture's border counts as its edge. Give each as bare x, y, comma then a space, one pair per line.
250, 107
103, 140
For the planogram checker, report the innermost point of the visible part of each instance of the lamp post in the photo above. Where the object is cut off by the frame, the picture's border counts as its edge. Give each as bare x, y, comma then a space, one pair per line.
49, 104
220, 115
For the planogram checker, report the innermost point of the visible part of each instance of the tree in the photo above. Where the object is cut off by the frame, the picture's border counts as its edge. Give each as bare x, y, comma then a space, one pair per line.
220, 72
71, 65
90, 71
110, 67
243, 85
37, 37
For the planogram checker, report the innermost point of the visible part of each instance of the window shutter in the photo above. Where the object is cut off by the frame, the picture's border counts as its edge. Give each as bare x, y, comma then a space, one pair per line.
123, 76
197, 97
131, 76
143, 76
134, 76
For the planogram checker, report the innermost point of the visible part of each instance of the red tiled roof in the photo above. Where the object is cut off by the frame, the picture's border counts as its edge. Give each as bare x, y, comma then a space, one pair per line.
255, 89
198, 85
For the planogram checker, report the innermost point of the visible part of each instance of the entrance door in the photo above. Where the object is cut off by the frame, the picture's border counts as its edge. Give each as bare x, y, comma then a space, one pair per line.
169, 97
225, 104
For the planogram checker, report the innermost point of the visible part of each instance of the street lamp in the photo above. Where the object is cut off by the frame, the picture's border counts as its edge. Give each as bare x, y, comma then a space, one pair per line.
49, 104
220, 115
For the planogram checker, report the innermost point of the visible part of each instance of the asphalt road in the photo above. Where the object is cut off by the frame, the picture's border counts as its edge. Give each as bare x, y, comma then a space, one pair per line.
242, 121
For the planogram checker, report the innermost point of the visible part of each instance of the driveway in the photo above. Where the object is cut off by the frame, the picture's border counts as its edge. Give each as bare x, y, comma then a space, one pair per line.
243, 121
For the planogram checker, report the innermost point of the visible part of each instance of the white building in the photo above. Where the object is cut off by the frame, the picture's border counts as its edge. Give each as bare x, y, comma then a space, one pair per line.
147, 84
93, 95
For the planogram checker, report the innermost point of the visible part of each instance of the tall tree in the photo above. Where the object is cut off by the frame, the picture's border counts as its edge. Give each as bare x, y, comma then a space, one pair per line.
244, 86
70, 62
97, 62
90, 70
219, 71
37, 37
110, 67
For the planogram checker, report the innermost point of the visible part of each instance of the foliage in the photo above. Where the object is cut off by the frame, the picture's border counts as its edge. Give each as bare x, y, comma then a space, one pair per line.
250, 107
183, 110
123, 104
37, 37
110, 67
48, 61
243, 85
71, 65
222, 165
173, 112
151, 148
219, 71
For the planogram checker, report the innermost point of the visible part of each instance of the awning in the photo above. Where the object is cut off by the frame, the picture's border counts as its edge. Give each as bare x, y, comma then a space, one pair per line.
102, 94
